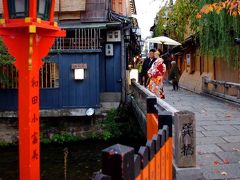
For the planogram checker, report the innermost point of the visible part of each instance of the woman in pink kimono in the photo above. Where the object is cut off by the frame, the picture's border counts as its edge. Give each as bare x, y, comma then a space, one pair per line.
156, 75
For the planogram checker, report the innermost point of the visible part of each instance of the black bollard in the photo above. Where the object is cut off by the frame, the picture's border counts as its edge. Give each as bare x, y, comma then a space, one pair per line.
118, 162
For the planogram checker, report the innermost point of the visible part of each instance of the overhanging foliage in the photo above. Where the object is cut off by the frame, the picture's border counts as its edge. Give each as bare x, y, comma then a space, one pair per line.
216, 31
5, 58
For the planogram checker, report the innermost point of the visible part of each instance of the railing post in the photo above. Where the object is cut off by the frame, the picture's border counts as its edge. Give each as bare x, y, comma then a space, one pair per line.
156, 140
185, 139
238, 93
169, 156
162, 136
204, 83
118, 162
151, 157
152, 124
226, 88
143, 152
137, 167
165, 121
215, 87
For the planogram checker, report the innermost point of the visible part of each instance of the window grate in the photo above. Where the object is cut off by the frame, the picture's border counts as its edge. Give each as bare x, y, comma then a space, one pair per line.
8, 77
79, 39
49, 76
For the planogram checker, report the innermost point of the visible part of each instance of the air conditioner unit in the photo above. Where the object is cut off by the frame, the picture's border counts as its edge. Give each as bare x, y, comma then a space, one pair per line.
114, 36
109, 50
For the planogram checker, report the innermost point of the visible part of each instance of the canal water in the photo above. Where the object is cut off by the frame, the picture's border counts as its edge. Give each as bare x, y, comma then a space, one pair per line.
82, 159
76, 160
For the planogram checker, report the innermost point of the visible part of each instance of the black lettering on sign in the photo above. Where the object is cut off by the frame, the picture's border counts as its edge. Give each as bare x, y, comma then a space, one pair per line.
187, 145
34, 100
34, 119
34, 83
35, 155
35, 138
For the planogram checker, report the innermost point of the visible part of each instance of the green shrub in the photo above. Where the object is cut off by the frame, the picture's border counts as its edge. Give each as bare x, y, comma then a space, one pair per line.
59, 138
5, 143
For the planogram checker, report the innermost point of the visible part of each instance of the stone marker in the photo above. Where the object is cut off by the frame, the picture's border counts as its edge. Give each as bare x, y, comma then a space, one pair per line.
185, 139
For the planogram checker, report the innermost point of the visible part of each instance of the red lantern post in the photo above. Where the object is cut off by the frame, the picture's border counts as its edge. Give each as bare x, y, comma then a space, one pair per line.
29, 38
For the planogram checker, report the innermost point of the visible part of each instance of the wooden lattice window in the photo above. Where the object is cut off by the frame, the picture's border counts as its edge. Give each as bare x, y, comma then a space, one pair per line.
49, 76
8, 77
79, 39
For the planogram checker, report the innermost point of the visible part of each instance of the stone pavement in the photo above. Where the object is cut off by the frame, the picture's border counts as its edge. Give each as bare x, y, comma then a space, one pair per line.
218, 132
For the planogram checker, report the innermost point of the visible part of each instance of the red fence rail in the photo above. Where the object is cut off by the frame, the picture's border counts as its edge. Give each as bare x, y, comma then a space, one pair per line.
152, 162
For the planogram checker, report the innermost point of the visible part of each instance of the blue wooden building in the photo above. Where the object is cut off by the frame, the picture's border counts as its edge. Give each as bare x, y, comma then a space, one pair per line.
86, 69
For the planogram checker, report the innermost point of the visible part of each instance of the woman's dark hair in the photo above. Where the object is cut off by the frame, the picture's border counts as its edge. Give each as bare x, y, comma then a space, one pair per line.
152, 50
160, 51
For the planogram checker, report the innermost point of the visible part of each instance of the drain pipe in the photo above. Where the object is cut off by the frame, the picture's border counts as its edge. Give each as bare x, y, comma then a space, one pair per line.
123, 69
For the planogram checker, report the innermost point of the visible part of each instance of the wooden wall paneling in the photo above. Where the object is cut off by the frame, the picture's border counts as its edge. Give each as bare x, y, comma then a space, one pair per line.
70, 5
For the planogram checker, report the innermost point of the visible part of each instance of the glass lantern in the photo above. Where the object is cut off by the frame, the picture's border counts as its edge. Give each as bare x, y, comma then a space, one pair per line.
43, 9
18, 8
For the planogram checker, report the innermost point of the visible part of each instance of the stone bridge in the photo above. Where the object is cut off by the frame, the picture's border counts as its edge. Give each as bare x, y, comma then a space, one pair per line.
217, 130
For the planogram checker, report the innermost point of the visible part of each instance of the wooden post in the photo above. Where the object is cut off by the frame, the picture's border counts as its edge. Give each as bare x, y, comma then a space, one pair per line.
185, 139
143, 152
204, 83
152, 122
152, 161
156, 140
238, 93
162, 136
5, 10
152, 126
137, 167
28, 112
168, 145
165, 121
226, 88
118, 162
28, 40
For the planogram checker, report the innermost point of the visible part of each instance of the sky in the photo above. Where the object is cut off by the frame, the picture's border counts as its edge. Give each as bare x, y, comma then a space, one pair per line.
146, 12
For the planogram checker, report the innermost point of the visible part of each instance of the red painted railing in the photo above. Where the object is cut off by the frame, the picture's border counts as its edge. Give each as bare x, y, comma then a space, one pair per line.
152, 162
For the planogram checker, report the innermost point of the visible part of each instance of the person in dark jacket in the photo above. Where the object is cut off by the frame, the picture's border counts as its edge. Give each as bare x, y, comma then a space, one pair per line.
174, 75
147, 65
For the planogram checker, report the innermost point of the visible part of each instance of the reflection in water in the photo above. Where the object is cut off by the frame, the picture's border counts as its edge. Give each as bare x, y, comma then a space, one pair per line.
65, 162
70, 161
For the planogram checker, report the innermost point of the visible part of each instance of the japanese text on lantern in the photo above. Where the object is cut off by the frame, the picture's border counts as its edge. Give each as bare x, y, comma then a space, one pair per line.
35, 121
